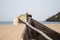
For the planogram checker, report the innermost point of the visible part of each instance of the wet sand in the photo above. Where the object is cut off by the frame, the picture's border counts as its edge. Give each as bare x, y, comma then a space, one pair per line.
55, 27
12, 32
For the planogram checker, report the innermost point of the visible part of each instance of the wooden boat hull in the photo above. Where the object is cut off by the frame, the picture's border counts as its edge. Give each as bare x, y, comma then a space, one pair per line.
30, 34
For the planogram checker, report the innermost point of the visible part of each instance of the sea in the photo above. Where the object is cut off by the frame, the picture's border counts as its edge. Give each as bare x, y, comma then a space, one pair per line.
6, 22
43, 22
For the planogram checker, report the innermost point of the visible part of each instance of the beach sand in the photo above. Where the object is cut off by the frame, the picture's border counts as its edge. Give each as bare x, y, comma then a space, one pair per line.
11, 32
15, 32
55, 27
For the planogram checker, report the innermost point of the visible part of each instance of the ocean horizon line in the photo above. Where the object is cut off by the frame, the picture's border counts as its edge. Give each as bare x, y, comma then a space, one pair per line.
43, 22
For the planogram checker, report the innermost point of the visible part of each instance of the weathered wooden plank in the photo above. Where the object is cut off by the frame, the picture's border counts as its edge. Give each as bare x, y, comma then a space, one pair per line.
31, 34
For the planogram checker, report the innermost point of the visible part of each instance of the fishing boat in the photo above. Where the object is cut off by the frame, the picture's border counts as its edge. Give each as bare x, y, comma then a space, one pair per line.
41, 30
27, 28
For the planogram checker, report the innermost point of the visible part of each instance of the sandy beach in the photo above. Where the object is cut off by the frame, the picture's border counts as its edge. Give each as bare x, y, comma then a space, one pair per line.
55, 27
15, 32
11, 32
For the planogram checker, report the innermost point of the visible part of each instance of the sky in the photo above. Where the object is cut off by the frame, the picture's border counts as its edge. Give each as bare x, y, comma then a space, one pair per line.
39, 9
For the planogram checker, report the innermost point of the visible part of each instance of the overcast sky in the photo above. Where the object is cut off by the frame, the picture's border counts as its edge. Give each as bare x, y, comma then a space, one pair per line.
40, 9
